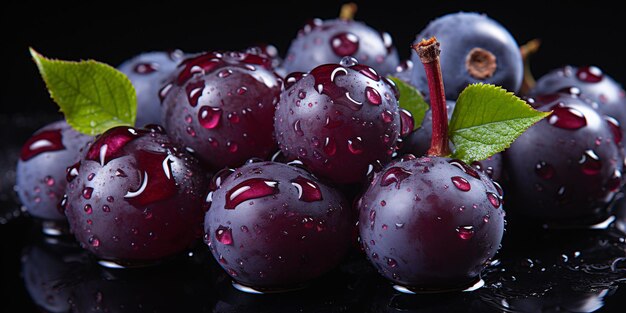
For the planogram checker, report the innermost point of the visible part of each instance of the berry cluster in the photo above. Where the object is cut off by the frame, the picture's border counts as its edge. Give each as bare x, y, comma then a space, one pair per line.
332, 120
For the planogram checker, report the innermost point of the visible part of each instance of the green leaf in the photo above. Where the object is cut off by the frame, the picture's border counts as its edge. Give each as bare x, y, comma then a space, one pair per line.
93, 96
486, 120
411, 100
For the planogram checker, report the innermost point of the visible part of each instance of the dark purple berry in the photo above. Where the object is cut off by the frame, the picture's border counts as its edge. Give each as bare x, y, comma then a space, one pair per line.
149, 72
608, 96
136, 197
475, 49
273, 225
567, 167
431, 223
220, 106
339, 120
321, 42
41, 169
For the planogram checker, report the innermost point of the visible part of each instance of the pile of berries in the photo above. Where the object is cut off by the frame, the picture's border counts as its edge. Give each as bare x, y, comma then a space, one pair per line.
283, 167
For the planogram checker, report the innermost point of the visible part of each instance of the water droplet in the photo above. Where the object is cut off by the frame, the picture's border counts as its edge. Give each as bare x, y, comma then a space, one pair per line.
590, 163
94, 241
233, 117
191, 131
145, 68
48, 180
209, 117
297, 128
110, 199
194, 91
614, 182
589, 74
242, 90
45, 141
406, 122
301, 94
250, 189
486, 218
387, 116
308, 191
383, 202
493, 199
373, 96
88, 209
461, 183
106, 208
224, 73
544, 170
616, 129
329, 146
465, 232
87, 191
348, 61
355, 145
344, 44
392, 263
224, 235
384, 227
394, 175
232, 146
566, 117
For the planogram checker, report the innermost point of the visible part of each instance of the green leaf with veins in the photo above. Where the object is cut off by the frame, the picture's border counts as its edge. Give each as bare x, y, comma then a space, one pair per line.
486, 120
93, 96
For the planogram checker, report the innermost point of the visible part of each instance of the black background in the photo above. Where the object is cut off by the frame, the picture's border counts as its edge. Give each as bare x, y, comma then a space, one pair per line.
571, 34
579, 34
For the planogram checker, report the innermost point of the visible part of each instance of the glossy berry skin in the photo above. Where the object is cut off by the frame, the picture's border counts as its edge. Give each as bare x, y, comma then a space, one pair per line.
135, 197
430, 223
338, 115
460, 34
40, 173
149, 72
221, 106
321, 42
567, 167
418, 142
608, 96
272, 225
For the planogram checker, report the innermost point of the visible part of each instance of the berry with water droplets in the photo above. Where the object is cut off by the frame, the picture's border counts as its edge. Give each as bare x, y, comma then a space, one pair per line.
321, 42
273, 225
475, 49
567, 167
148, 72
440, 238
339, 115
608, 96
41, 168
144, 201
220, 106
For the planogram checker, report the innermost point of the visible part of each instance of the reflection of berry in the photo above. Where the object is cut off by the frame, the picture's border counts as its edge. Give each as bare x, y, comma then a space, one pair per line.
40, 174
134, 197
221, 106
273, 225
339, 120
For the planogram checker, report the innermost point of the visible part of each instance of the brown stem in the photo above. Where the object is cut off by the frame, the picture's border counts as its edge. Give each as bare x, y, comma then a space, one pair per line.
527, 51
428, 51
348, 11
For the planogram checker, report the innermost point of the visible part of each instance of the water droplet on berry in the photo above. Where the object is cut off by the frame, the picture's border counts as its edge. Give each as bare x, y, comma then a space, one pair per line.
209, 117
87, 191
406, 122
329, 146
308, 191
590, 163
297, 128
45, 141
145, 68
566, 117
344, 44
392, 263
250, 189
616, 129
493, 199
224, 235
355, 145
461, 183
465, 232
373, 96
94, 241
194, 91
348, 61
394, 175
544, 170
88, 209
589, 74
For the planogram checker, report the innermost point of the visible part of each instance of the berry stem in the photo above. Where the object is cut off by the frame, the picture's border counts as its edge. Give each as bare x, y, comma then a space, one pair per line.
428, 51
527, 50
348, 11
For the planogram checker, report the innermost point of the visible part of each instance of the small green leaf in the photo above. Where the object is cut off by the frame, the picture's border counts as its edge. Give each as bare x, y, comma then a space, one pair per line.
411, 100
93, 96
487, 119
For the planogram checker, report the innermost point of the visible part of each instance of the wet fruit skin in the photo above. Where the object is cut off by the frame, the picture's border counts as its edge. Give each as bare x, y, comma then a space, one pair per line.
41, 169
608, 96
135, 197
339, 120
430, 223
221, 106
567, 167
272, 225
321, 42
148, 72
418, 142
461, 33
